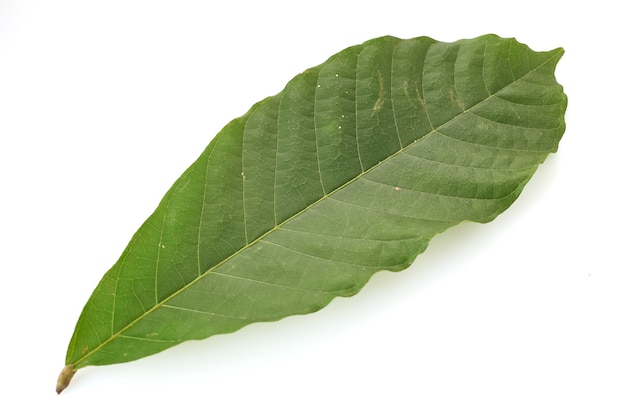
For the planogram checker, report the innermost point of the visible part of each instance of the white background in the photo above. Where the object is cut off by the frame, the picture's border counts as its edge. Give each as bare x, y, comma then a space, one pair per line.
103, 104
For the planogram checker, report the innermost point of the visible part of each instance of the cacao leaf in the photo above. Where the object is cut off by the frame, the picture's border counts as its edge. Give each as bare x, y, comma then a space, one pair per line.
350, 170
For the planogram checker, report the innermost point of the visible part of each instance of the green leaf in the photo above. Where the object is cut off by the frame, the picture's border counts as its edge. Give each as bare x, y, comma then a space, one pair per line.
350, 170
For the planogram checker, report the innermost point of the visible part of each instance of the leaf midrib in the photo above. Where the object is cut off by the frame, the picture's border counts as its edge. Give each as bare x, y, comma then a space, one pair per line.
277, 226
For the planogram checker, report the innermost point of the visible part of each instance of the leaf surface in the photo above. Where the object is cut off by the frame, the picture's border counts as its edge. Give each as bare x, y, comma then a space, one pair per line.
350, 170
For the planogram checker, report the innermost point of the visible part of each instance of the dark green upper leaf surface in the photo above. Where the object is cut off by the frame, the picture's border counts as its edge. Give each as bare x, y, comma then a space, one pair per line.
351, 169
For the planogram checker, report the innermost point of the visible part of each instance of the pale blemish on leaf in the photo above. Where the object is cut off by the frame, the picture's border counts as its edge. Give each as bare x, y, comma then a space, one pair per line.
381, 95
455, 100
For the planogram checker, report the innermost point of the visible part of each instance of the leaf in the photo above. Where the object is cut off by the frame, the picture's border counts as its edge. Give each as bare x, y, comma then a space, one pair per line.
350, 170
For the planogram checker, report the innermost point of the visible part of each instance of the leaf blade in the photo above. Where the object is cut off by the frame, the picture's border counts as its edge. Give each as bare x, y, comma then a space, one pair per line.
313, 190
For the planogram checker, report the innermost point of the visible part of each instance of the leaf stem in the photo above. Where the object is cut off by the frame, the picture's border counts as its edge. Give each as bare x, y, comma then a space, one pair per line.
65, 377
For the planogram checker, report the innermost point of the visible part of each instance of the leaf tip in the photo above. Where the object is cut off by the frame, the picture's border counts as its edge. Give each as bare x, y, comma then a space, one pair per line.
559, 52
65, 377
